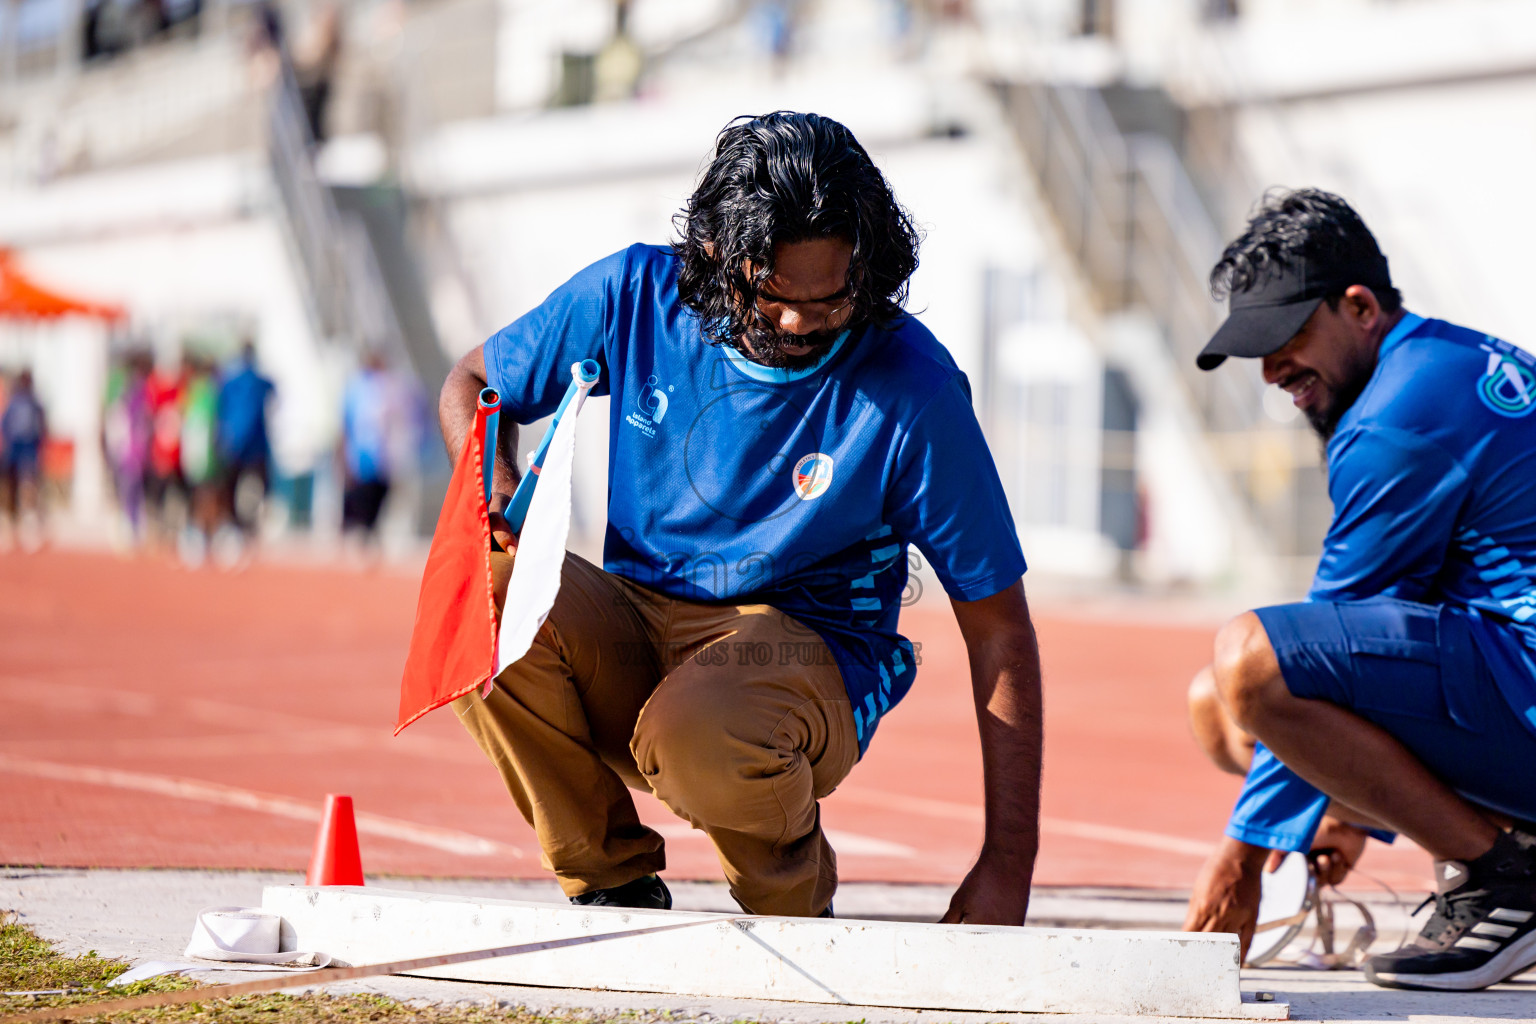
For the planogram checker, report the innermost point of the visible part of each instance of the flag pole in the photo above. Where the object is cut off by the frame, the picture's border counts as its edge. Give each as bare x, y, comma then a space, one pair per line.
489, 404
583, 377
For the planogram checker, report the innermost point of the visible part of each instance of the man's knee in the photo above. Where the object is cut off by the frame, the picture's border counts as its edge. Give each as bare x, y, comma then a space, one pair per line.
681, 727
715, 765
1204, 701
1230, 748
1246, 672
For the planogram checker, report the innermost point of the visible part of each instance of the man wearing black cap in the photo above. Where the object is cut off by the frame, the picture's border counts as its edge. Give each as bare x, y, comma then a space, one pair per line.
1402, 692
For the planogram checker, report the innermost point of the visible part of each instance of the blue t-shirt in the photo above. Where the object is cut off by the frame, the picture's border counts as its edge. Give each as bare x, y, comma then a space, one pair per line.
1432, 473
731, 481
367, 408
243, 397
21, 428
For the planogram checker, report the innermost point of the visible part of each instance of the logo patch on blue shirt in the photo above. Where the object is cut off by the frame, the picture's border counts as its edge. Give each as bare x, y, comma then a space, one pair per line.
1508, 387
651, 407
813, 475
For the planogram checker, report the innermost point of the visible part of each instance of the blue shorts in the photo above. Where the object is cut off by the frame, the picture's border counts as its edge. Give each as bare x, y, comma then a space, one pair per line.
23, 461
1412, 669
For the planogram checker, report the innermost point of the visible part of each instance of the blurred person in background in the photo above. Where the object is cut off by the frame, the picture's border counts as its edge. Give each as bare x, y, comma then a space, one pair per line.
616, 70
773, 23
108, 28
242, 446
266, 43
23, 431
371, 411
266, 26
1402, 693
127, 430
5, 465
314, 66
165, 487
199, 459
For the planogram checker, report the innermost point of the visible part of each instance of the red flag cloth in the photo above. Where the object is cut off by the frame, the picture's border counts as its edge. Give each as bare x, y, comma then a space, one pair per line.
453, 644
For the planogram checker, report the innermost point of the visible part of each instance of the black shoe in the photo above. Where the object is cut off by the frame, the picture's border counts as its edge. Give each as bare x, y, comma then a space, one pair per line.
648, 893
1483, 929
826, 911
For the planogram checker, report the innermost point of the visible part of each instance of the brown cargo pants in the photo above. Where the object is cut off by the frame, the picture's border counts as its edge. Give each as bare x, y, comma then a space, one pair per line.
735, 716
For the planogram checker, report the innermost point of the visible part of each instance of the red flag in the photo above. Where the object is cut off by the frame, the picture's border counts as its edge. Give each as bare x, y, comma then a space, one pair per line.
453, 644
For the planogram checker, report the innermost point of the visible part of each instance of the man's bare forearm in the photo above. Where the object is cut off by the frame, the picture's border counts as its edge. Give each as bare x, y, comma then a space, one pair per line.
1005, 682
456, 414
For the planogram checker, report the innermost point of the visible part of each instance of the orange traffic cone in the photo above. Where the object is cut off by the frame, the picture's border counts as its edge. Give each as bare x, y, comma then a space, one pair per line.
336, 860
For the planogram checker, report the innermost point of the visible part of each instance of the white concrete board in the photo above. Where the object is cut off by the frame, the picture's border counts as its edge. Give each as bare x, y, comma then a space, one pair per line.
868, 963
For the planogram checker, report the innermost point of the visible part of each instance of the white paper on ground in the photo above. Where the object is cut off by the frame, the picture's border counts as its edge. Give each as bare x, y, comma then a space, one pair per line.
153, 969
247, 938
541, 546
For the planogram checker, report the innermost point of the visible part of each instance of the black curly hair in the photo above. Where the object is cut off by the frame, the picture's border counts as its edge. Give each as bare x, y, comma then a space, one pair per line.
780, 178
1307, 226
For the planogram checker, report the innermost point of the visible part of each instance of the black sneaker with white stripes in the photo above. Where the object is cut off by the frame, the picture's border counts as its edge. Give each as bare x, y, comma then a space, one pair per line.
1483, 929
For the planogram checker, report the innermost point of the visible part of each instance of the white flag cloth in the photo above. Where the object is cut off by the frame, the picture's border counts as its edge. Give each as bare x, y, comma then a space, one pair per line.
541, 546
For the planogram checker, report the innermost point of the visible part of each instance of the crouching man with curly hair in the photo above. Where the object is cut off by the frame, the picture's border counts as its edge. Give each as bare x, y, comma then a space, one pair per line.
781, 431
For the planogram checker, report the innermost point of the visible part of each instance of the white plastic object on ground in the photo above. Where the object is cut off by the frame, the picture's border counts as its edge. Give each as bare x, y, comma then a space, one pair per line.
247, 939
154, 969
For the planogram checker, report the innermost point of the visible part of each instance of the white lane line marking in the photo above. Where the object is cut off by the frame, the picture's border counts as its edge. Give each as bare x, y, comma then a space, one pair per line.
1127, 836
211, 744
850, 843
1055, 826
854, 844
444, 839
182, 710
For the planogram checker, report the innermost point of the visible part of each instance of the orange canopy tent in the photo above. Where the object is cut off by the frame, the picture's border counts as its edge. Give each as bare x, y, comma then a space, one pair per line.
24, 299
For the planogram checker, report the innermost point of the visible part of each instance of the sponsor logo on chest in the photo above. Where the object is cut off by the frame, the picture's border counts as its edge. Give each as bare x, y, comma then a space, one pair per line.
650, 407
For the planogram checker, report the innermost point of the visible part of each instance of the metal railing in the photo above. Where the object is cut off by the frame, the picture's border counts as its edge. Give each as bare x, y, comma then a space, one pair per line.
1132, 218
313, 223
348, 299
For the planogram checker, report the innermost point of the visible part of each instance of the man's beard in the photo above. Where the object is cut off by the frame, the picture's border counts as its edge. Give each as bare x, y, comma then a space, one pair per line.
1325, 420
765, 346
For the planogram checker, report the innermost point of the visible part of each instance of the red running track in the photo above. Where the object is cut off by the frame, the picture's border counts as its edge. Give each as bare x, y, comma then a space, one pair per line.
154, 717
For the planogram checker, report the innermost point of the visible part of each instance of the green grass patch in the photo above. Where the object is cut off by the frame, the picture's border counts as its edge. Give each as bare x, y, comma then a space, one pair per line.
27, 962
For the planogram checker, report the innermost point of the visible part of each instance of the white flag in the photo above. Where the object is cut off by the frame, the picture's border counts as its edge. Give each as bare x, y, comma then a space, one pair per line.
541, 546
